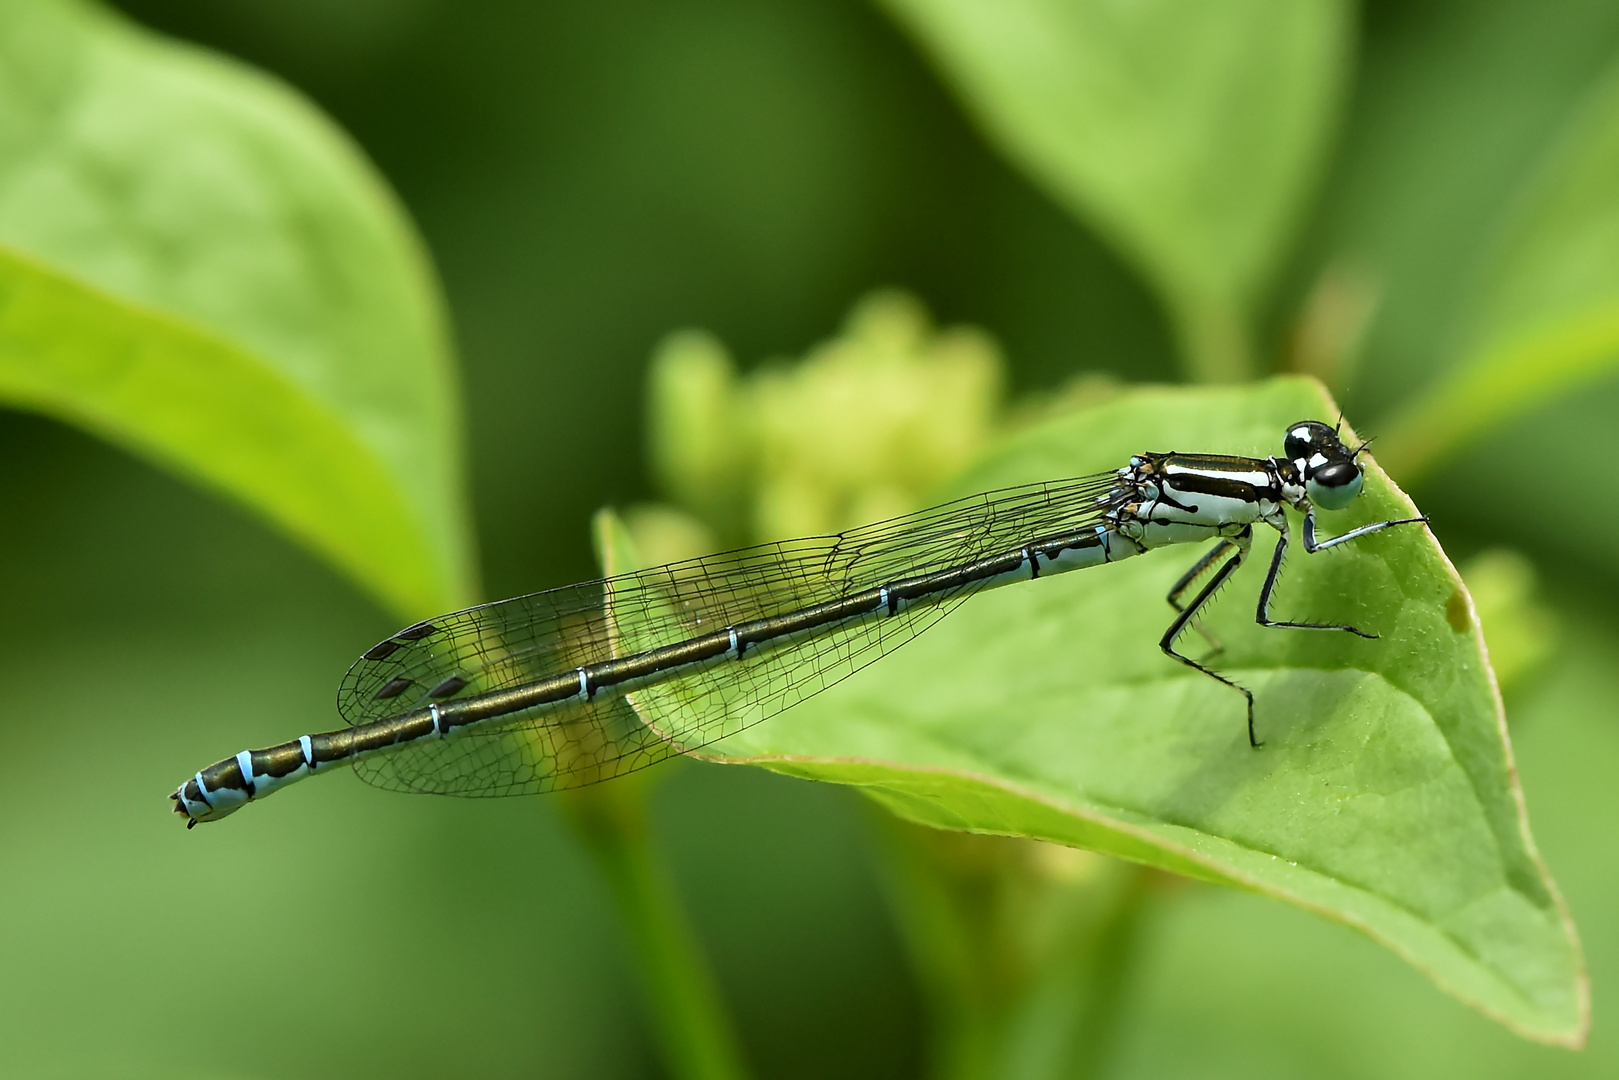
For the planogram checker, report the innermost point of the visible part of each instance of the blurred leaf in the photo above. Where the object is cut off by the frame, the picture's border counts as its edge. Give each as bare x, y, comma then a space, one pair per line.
196, 266
692, 420
1384, 798
1521, 630
1548, 319
1188, 133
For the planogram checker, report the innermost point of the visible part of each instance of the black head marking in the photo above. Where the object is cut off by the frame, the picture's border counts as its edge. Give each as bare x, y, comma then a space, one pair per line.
1307, 438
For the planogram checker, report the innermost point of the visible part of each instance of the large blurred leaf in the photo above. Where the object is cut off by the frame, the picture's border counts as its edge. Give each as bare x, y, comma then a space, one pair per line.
1454, 103
1384, 797
1187, 132
195, 265
1548, 318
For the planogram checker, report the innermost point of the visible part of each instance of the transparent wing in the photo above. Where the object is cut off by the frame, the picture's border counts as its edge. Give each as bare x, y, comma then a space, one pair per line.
519, 641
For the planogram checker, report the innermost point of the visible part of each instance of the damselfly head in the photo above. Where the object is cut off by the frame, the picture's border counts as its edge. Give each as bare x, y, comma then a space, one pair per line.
1332, 479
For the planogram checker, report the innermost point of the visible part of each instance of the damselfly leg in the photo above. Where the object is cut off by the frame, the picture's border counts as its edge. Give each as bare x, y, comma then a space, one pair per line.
1180, 588
1240, 543
1311, 546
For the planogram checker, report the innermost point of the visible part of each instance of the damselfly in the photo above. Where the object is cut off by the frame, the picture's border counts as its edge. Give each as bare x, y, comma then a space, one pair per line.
579, 684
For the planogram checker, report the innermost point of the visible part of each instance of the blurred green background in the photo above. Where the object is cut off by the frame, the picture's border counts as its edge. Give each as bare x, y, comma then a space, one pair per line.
588, 178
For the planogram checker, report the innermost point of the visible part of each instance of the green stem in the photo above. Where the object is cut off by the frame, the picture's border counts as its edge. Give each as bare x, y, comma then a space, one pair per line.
1023, 950
1118, 939
944, 920
694, 1032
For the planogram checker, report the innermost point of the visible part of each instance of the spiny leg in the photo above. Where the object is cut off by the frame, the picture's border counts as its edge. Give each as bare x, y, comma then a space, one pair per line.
1262, 614
1311, 546
1179, 589
1167, 643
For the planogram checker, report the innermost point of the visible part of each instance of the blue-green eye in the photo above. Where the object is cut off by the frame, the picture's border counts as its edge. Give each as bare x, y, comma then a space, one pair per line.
1334, 486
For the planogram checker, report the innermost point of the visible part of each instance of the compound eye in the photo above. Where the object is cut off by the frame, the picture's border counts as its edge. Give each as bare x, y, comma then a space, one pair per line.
1334, 486
1337, 474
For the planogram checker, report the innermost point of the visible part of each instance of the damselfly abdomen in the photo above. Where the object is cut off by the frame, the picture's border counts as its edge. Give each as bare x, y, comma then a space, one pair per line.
566, 687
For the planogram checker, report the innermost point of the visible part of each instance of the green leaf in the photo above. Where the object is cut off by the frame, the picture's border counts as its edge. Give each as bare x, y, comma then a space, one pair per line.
1188, 133
195, 265
1385, 795
1547, 319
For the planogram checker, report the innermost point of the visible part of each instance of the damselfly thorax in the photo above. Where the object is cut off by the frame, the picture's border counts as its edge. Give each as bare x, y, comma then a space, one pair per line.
584, 683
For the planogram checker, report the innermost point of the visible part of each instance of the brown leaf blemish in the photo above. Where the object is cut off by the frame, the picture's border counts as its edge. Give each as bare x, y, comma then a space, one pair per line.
1458, 612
